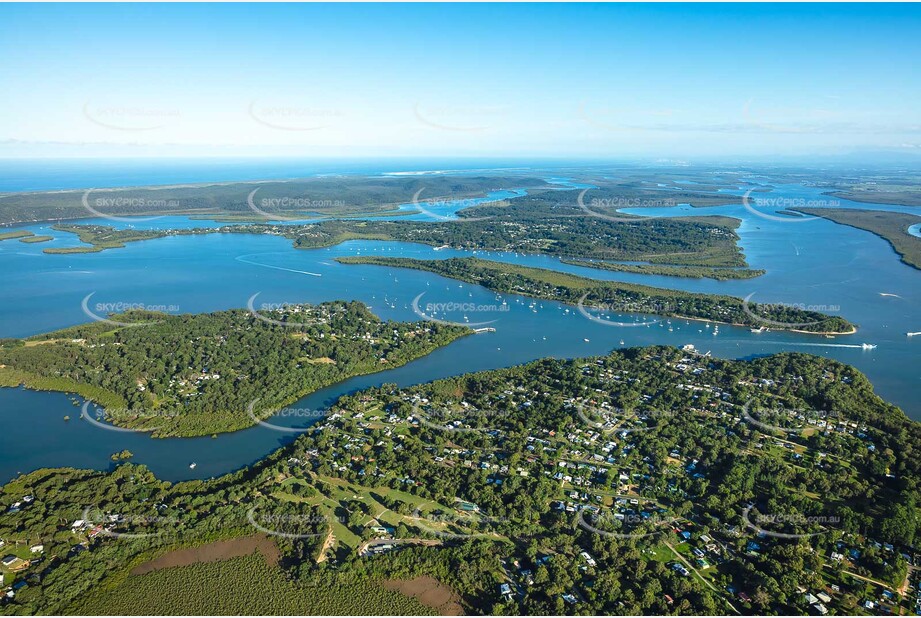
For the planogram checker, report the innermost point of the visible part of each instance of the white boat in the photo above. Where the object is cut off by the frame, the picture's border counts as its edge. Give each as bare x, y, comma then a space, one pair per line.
913, 334
868, 346
585, 340
192, 465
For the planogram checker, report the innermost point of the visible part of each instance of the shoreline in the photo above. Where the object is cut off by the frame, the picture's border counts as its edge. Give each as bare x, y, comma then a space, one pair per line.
99, 396
779, 330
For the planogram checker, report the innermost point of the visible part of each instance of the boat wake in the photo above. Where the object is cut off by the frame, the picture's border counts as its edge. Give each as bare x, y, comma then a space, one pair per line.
242, 258
855, 346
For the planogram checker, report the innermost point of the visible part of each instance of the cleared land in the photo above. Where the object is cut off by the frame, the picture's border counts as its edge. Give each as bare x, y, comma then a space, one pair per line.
246, 586
430, 592
214, 552
34, 239
15, 234
690, 272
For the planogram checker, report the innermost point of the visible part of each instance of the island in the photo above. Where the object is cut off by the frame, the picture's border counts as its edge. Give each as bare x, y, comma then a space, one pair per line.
36, 239
646, 482
692, 242
14, 234
545, 222
617, 297
201, 374
691, 272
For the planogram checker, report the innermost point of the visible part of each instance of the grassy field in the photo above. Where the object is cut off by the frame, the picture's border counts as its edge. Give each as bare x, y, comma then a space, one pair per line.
892, 226
333, 493
246, 586
34, 239
691, 272
15, 234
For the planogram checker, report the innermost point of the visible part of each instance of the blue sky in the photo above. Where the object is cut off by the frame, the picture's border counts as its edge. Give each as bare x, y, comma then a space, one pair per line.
315, 80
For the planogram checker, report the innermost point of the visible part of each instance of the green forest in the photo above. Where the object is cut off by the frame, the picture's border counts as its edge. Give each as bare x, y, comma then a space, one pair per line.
190, 375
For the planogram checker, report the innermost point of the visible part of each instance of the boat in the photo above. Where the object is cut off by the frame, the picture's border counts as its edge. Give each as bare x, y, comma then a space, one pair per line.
759, 330
868, 346
913, 334
585, 340
192, 465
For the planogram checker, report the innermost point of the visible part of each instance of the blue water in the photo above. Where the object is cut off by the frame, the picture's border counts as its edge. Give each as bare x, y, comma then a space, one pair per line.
814, 262
58, 174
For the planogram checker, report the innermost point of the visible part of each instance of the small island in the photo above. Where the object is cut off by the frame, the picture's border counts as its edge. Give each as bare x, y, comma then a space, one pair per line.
20, 234
620, 297
35, 239
669, 270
